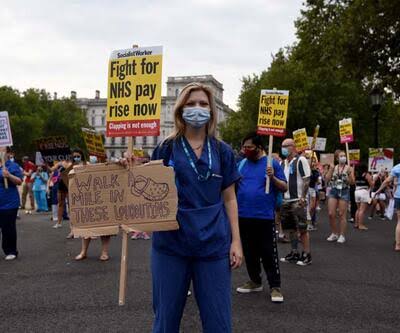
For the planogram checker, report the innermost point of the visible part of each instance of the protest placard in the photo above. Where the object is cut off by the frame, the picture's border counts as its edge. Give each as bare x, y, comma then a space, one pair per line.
54, 148
94, 143
380, 159
5, 130
300, 139
314, 138
273, 112
272, 117
354, 155
327, 159
134, 92
320, 143
103, 197
346, 130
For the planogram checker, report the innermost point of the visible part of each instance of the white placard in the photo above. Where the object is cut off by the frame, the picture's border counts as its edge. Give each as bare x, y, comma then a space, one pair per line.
320, 144
5, 130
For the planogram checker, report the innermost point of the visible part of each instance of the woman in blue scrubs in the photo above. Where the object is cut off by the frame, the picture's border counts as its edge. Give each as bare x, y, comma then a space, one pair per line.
207, 245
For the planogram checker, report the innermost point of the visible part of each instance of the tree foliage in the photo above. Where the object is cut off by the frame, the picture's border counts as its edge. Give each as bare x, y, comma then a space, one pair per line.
33, 115
343, 48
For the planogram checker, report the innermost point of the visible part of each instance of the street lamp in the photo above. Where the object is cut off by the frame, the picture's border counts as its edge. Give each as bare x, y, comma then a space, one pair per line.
376, 97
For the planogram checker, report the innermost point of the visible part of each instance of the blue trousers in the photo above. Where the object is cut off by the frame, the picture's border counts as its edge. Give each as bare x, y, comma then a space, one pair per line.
211, 285
41, 201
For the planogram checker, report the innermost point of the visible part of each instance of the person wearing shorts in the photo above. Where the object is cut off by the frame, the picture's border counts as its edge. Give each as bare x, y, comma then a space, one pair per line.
362, 196
340, 178
378, 199
394, 177
294, 206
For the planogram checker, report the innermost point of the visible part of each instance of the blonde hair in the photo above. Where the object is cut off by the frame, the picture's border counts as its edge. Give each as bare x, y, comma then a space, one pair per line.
180, 124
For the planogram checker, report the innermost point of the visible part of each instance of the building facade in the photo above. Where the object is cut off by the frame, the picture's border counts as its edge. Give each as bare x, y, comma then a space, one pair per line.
95, 110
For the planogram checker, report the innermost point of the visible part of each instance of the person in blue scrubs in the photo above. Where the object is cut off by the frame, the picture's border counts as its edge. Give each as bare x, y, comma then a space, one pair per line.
207, 245
9, 203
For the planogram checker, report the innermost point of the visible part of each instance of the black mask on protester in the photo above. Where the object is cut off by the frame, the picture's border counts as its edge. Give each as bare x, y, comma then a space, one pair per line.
251, 154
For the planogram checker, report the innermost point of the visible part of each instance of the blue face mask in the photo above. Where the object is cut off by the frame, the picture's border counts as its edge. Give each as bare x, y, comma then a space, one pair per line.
285, 152
77, 159
196, 116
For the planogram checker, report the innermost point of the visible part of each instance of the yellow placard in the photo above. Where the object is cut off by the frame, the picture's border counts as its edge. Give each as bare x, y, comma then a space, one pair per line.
300, 139
134, 92
138, 152
354, 156
273, 112
346, 130
94, 142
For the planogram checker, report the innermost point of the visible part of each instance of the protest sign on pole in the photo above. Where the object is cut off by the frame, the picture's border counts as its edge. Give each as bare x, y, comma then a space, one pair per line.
272, 118
314, 138
354, 156
54, 148
320, 143
104, 198
94, 143
380, 159
5, 137
300, 139
327, 159
134, 92
346, 134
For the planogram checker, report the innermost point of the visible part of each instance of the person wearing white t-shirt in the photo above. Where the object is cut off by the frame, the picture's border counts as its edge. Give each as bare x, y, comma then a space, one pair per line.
394, 177
294, 207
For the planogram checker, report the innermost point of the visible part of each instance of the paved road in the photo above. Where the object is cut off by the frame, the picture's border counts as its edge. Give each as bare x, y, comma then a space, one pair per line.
352, 287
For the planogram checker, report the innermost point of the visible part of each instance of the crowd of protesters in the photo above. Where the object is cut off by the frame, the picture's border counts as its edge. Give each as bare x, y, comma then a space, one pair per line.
225, 195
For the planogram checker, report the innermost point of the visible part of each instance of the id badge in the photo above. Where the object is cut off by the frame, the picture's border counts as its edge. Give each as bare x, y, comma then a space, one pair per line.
339, 186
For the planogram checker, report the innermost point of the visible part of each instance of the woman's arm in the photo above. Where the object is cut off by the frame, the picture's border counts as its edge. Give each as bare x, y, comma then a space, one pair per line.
236, 252
16, 180
328, 175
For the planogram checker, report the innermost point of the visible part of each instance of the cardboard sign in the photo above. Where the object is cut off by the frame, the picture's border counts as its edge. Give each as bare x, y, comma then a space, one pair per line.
103, 197
355, 156
5, 130
273, 112
94, 143
380, 159
327, 159
346, 130
54, 148
300, 139
134, 92
320, 143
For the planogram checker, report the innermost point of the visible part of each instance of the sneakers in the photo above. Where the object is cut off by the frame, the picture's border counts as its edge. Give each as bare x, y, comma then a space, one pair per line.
311, 227
249, 287
10, 257
276, 295
292, 257
283, 239
341, 239
305, 259
332, 238
57, 225
370, 217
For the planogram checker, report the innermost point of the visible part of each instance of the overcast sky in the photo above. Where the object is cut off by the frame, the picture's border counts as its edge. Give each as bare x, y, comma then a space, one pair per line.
65, 45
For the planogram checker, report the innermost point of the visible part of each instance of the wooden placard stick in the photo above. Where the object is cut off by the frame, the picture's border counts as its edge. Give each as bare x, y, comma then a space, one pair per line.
124, 268
269, 164
347, 154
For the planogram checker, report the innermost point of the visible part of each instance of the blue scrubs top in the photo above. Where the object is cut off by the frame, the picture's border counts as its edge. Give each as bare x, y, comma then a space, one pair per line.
9, 198
253, 202
204, 229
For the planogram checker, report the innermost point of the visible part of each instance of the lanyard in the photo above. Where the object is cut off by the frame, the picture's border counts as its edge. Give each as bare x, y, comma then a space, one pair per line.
200, 177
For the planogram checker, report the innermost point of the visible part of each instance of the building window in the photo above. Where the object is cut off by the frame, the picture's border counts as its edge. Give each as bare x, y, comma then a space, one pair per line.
103, 121
133, 140
144, 140
104, 111
93, 111
155, 138
123, 141
112, 153
93, 121
163, 133
112, 141
176, 92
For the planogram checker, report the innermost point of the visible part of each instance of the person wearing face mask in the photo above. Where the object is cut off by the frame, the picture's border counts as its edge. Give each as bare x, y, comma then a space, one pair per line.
207, 245
340, 178
294, 207
9, 203
257, 216
64, 167
40, 178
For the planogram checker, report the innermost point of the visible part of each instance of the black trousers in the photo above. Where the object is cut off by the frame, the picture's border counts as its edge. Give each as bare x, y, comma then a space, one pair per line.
353, 205
8, 229
259, 246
